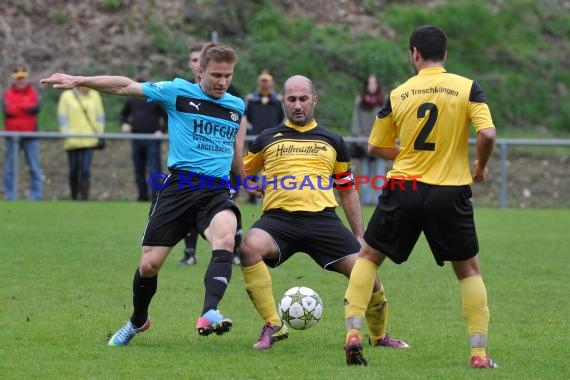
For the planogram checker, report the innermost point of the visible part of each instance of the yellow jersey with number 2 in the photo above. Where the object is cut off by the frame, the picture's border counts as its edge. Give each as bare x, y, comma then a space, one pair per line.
430, 114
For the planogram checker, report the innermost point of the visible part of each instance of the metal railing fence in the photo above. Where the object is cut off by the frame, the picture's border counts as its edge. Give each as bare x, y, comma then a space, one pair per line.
503, 145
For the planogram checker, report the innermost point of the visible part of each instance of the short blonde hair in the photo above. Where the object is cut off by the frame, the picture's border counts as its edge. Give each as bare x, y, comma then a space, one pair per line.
217, 52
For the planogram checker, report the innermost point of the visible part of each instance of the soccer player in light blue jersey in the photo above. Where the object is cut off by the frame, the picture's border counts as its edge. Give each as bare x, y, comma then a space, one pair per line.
206, 142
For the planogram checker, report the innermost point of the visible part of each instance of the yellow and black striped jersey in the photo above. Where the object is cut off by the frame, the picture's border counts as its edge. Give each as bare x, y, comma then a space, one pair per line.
299, 166
430, 114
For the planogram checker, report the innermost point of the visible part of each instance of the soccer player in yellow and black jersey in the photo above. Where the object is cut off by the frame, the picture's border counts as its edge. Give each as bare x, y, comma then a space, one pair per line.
301, 162
430, 114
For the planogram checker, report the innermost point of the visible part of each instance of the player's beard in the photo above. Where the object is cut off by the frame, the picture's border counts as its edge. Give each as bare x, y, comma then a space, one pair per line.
301, 121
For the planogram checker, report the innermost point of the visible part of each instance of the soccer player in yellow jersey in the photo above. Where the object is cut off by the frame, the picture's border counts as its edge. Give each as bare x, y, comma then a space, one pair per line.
430, 115
301, 162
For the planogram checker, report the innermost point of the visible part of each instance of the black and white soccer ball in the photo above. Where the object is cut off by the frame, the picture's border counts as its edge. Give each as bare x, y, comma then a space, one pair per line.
301, 307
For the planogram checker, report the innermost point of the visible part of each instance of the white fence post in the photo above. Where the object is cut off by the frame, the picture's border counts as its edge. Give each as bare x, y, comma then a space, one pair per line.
504, 175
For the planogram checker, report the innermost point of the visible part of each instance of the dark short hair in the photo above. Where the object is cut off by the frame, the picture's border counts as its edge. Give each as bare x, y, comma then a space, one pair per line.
196, 48
430, 41
217, 52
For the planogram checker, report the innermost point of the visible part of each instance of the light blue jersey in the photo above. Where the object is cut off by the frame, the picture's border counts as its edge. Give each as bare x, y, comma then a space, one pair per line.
201, 129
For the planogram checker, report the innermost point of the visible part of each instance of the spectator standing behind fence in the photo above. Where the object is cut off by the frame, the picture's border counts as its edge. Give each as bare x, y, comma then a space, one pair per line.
80, 111
21, 105
366, 106
264, 109
140, 116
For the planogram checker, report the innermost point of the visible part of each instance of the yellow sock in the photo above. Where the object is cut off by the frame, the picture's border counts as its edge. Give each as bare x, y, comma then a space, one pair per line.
259, 289
479, 351
377, 315
476, 311
359, 289
351, 332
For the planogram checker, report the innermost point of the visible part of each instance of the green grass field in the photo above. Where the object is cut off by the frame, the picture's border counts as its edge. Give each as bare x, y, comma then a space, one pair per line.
66, 272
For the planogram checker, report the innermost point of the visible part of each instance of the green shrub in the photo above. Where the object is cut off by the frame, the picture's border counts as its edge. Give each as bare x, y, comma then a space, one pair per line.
514, 49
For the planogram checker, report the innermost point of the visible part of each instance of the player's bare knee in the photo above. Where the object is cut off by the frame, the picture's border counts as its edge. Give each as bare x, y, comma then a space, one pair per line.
148, 269
250, 251
467, 268
226, 241
247, 246
151, 260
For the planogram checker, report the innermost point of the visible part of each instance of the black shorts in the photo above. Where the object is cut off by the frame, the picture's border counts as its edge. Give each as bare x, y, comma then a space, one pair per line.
235, 186
443, 213
321, 235
185, 203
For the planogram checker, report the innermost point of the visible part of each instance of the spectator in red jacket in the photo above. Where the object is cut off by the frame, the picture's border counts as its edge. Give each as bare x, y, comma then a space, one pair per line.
21, 105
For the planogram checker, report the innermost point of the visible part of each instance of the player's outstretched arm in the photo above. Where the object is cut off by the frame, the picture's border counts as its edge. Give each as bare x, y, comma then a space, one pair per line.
108, 84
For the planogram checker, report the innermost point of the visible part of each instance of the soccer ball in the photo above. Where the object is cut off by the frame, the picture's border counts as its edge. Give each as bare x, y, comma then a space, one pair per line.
301, 307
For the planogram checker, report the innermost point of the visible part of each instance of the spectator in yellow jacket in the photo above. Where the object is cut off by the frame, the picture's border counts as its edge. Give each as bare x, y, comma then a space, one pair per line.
80, 111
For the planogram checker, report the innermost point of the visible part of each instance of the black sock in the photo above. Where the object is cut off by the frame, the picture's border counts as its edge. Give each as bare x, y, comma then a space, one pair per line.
217, 278
191, 240
143, 291
237, 242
